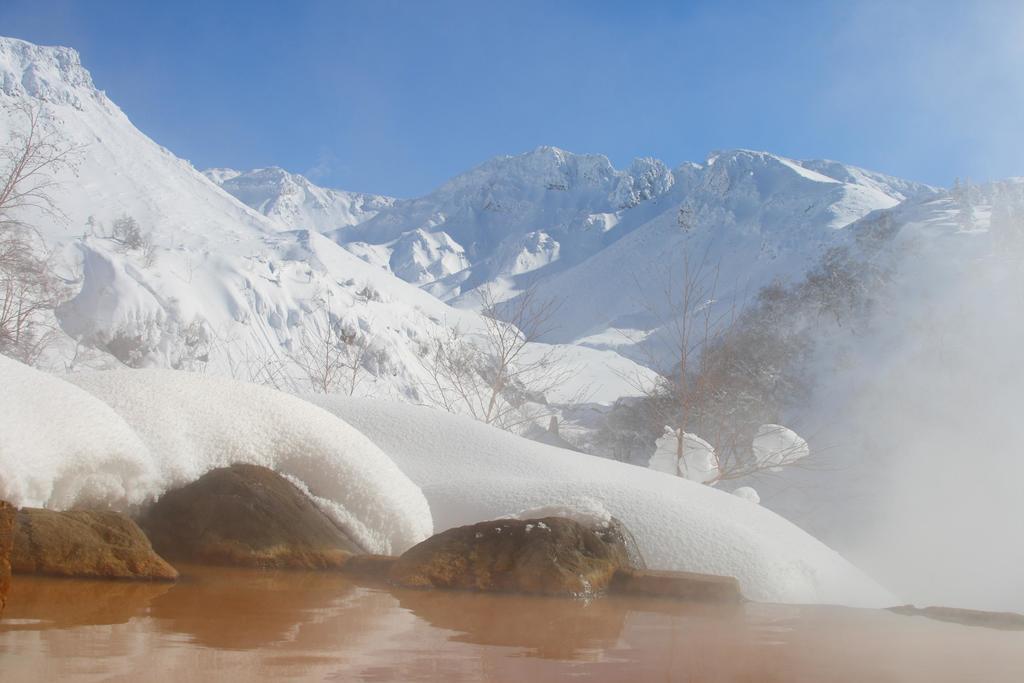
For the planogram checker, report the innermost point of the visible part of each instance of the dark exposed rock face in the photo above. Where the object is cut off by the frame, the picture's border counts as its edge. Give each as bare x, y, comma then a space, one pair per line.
85, 543
246, 515
6, 544
549, 556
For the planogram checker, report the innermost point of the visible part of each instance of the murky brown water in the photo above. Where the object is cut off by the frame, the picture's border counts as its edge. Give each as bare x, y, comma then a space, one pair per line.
228, 625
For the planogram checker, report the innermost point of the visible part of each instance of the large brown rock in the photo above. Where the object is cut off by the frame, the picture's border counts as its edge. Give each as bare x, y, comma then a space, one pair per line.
6, 544
549, 556
85, 543
249, 516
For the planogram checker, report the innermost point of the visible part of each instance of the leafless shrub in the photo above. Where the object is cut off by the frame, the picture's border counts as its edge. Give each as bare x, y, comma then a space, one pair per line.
501, 376
333, 358
29, 291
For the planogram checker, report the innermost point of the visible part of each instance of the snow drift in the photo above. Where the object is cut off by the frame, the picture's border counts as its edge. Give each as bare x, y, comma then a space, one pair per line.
60, 447
471, 472
122, 438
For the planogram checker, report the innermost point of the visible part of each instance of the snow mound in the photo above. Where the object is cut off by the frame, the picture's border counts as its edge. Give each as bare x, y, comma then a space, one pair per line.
748, 493
471, 472
192, 423
775, 446
699, 462
60, 447
587, 511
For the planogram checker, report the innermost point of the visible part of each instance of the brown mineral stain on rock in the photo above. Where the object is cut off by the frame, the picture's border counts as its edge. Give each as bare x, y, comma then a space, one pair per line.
682, 585
549, 556
248, 516
85, 543
6, 544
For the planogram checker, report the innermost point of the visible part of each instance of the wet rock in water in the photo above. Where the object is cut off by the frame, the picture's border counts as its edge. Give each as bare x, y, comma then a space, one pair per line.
85, 543
6, 544
370, 566
249, 516
1006, 621
549, 556
682, 585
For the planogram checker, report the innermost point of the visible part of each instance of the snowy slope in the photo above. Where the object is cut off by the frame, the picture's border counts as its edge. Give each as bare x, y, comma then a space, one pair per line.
470, 472
293, 202
223, 288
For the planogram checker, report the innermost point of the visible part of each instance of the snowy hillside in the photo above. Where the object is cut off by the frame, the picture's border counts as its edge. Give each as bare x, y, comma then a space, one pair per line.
293, 202
213, 285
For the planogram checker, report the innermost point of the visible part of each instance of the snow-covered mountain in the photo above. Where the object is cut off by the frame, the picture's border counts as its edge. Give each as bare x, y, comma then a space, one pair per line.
215, 285
293, 202
602, 239
239, 268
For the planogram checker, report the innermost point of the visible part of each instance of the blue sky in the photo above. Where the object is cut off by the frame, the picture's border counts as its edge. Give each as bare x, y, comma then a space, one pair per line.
395, 97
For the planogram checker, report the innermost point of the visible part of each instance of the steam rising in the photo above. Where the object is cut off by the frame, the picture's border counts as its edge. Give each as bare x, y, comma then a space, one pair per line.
924, 417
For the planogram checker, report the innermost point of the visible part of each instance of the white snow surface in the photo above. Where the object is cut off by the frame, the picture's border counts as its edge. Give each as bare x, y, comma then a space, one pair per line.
699, 462
293, 202
471, 472
587, 511
748, 493
189, 424
775, 446
60, 446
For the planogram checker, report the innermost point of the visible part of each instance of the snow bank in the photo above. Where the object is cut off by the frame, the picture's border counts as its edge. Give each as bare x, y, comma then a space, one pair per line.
189, 424
699, 462
747, 493
471, 472
775, 446
59, 446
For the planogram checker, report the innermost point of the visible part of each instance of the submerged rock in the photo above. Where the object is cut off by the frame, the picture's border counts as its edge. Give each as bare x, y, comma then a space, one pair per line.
85, 543
6, 544
549, 556
1007, 621
370, 566
246, 515
682, 585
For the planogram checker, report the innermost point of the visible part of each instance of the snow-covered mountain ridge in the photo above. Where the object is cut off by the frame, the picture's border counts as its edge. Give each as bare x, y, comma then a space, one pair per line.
293, 201
573, 223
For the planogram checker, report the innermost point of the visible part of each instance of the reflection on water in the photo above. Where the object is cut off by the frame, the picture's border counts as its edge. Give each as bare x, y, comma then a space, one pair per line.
220, 624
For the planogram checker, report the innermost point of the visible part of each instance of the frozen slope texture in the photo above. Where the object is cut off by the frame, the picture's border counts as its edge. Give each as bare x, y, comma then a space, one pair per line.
470, 472
192, 424
61, 447
292, 201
